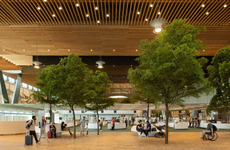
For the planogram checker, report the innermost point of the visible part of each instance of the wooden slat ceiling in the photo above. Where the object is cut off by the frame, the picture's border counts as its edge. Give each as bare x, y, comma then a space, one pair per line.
112, 12
7, 65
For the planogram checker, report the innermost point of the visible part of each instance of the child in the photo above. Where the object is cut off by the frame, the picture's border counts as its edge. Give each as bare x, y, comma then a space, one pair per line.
87, 129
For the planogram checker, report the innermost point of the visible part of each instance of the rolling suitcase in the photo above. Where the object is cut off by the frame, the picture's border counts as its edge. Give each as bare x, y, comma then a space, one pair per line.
49, 134
28, 139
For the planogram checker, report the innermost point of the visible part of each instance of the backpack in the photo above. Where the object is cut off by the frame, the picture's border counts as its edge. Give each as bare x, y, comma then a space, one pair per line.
28, 126
214, 128
39, 124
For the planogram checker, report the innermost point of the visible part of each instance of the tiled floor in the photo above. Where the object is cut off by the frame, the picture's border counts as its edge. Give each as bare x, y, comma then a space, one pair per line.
120, 141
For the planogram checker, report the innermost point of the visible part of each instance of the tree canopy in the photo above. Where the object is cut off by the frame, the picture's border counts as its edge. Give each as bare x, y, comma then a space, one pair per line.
169, 70
219, 78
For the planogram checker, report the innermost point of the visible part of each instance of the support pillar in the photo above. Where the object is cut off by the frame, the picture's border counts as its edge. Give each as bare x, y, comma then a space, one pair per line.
4, 94
17, 88
194, 113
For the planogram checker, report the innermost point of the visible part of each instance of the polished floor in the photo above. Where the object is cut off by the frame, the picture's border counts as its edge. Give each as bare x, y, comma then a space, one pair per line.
120, 141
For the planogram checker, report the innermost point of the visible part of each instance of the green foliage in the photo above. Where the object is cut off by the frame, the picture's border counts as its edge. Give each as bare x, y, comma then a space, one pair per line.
219, 78
187, 112
127, 100
158, 113
169, 70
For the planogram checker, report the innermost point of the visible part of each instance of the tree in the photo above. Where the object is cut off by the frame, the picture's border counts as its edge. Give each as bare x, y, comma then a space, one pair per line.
219, 78
45, 94
100, 83
169, 70
71, 83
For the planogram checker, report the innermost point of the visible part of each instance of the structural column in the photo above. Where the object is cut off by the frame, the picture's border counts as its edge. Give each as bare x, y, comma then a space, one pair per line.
16, 93
4, 94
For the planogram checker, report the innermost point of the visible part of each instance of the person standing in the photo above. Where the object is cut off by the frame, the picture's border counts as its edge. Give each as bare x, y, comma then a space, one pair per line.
196, 122
82, 126
133, 119
42, 125
126, 122
53, 129
32, 124
155, 121
100, 124
193, 122
113, 123
87, 129
190, 122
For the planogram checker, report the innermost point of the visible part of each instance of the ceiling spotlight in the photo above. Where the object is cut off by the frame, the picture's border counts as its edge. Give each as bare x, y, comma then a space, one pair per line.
207, 13
24, 50
136, 50
45, 0
91, 50
54, 15
77, 5
202, 5
3, 49
157, 24
100, 63
96, 8
87, 15
114, 50
98, 21
225, 5
159, 13
113, 65
146, 19
151, 5
138, 13
203, 50
107, 15
68, 49
39, 8
60, 8
48, 49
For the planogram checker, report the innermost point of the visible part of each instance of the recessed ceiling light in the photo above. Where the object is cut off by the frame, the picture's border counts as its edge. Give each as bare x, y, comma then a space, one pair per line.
77, 5
60, 8
202, 5
151, 5
207, 13
146, 19
87, 15
48, 49
39, 8
138, 13
131, 65
159, 13
68, 49
225, 5
113, 65
54, 15
136, 50
24, 50
91, 50
107, 15
3, 49
45, 0
98, 21
96, 8
114, 50
203, 50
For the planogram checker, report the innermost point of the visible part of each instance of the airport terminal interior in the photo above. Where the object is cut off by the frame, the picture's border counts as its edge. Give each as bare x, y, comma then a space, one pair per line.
100, 74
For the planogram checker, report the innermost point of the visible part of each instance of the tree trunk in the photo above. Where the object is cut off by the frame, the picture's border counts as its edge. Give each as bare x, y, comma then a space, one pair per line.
74, 126
97, 123
167, 122
148, 111
51, 113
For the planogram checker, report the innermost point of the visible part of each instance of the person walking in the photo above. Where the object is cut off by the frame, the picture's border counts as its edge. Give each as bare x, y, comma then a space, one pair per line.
196, 123
126, 122
82, 126
32, 124
87, 129
133, 119
193, 122
113, 123
42, 125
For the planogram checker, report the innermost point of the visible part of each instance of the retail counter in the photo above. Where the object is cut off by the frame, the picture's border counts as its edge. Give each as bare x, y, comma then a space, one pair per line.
12, 127
117, 125
218, 125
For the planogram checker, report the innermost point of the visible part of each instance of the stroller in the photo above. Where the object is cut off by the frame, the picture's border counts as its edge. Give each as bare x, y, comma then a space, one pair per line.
161, 133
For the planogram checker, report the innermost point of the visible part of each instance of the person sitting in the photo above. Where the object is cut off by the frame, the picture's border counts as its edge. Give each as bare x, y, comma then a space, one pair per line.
139, 127
64, 128
209, 129
147, 129
53, 129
